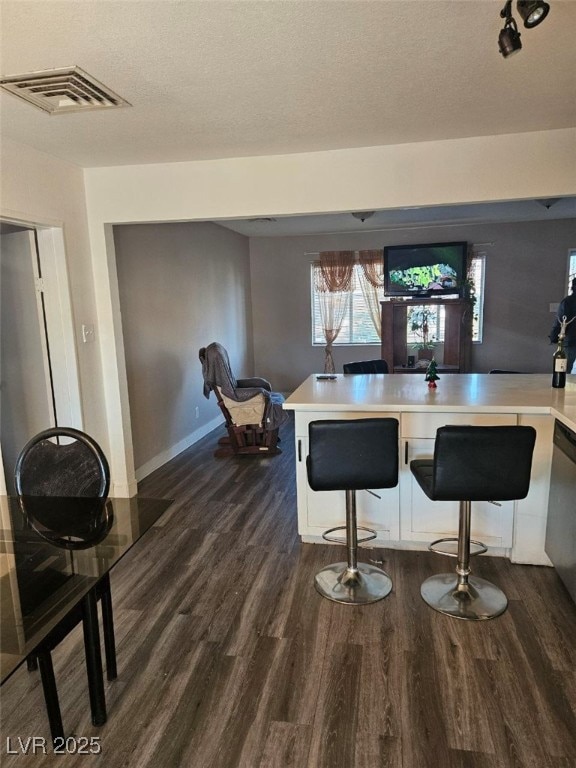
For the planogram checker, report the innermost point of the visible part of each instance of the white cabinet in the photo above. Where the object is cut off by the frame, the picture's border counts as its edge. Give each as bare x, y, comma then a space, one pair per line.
320, 510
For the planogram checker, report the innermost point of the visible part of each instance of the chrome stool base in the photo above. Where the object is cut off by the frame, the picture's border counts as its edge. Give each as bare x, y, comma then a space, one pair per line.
475, 600
353, 586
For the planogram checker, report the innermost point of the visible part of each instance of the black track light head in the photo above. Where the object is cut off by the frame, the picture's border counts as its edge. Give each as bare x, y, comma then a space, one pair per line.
509, 38
533, 12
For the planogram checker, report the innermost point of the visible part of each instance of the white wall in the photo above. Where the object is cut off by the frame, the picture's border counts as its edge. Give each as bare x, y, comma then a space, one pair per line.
525, 272
487, 168
181, 287
39, 189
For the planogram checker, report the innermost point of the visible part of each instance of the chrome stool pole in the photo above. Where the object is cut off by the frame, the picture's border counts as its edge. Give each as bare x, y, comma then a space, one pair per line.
350, 582
461, 595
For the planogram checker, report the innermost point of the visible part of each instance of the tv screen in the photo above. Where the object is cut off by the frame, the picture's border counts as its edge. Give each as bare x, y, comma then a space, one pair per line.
424, 270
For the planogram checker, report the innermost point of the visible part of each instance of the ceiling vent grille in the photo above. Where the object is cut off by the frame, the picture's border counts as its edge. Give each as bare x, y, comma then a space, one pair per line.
56, 91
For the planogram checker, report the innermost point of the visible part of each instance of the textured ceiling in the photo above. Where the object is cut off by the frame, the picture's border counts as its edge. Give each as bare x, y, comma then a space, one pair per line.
221, 79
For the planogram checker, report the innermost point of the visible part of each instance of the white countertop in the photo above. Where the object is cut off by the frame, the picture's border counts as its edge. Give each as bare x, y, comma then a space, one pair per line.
464, 392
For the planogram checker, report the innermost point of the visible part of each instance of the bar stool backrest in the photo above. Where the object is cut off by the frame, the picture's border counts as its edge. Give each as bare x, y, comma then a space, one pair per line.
352, 454
366, 366
482, 463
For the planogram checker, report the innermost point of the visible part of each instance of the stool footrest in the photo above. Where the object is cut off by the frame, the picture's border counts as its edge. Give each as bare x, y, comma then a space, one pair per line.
338, 540
480, 548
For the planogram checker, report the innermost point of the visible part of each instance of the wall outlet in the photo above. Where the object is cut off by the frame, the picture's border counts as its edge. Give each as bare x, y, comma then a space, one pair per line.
196, 412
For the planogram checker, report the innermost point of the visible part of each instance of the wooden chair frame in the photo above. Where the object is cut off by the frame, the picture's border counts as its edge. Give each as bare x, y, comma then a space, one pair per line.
247, 439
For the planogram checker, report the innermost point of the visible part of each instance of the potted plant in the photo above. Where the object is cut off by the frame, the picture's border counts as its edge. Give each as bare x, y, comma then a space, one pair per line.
418, 319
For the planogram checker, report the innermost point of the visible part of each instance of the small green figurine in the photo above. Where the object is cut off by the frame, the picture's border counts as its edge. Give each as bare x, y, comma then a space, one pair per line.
431, 374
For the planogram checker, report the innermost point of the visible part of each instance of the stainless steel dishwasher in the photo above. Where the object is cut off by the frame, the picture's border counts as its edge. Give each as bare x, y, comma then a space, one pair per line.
561, 526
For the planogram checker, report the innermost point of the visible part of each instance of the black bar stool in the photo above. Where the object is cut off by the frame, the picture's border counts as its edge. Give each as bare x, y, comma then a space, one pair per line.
352, 455
472, 464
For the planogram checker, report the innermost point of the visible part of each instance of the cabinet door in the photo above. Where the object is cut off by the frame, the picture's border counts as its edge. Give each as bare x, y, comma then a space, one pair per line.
320, 510
426, 520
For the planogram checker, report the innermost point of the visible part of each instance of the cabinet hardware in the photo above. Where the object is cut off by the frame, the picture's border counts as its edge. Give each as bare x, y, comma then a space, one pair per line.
299, 450
406, 452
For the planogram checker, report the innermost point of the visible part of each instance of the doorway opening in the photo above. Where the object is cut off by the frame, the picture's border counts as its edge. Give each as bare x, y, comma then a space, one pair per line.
39, 385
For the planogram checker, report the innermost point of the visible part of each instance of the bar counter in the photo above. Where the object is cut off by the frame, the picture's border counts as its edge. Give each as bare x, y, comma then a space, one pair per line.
455, 393
403, 517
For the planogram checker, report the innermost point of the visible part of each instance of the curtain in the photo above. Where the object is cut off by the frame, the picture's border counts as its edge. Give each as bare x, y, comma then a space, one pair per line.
372, 284
333, 282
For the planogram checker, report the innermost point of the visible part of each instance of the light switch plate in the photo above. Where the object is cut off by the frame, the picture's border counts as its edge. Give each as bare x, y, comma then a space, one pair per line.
88, 335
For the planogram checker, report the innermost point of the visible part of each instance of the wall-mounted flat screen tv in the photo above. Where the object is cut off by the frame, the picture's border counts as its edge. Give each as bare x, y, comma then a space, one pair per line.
424, 270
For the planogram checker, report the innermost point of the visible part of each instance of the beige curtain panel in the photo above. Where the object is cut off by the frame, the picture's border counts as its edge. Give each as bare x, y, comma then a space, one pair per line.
372, 285
333, 281
336, 271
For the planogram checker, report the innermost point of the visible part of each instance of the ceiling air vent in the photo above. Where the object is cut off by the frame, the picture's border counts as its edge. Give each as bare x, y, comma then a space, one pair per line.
69, 89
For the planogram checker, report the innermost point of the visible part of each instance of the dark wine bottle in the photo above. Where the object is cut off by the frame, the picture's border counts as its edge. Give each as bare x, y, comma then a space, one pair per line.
560, 366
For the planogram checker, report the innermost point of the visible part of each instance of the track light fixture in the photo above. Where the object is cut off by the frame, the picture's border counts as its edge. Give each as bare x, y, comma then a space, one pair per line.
532, 13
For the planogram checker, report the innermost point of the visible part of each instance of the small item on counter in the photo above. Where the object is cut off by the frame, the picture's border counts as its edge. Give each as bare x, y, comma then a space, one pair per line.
560, 366
559, 358
432, 374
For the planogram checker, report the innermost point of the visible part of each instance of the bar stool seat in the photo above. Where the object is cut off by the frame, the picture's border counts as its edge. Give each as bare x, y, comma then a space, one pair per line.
350, 455
472, 464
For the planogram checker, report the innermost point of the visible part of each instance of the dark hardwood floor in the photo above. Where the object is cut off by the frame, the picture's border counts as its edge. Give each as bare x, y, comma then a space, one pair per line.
228, 658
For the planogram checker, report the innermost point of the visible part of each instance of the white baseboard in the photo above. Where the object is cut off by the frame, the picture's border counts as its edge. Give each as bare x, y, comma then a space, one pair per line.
165, 456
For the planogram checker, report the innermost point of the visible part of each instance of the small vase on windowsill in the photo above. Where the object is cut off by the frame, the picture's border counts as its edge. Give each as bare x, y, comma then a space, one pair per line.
425, 355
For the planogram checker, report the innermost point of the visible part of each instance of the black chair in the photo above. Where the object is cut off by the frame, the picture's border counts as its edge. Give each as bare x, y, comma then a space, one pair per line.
67, 466
351, 455
472, 464
366, 366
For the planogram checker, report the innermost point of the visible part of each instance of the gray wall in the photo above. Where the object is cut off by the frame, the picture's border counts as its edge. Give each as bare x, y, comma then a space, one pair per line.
185, 285
181, 287
526, 270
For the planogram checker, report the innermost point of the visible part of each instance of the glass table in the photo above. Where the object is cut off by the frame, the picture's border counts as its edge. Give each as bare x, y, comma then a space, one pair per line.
56, 555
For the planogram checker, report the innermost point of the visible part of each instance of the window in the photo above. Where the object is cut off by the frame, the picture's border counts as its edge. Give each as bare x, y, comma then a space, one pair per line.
476, 274
358, 327
571, 267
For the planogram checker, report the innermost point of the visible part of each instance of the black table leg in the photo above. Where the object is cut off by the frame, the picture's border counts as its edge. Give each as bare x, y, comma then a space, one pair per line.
50, 694
108, 628
93, 658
